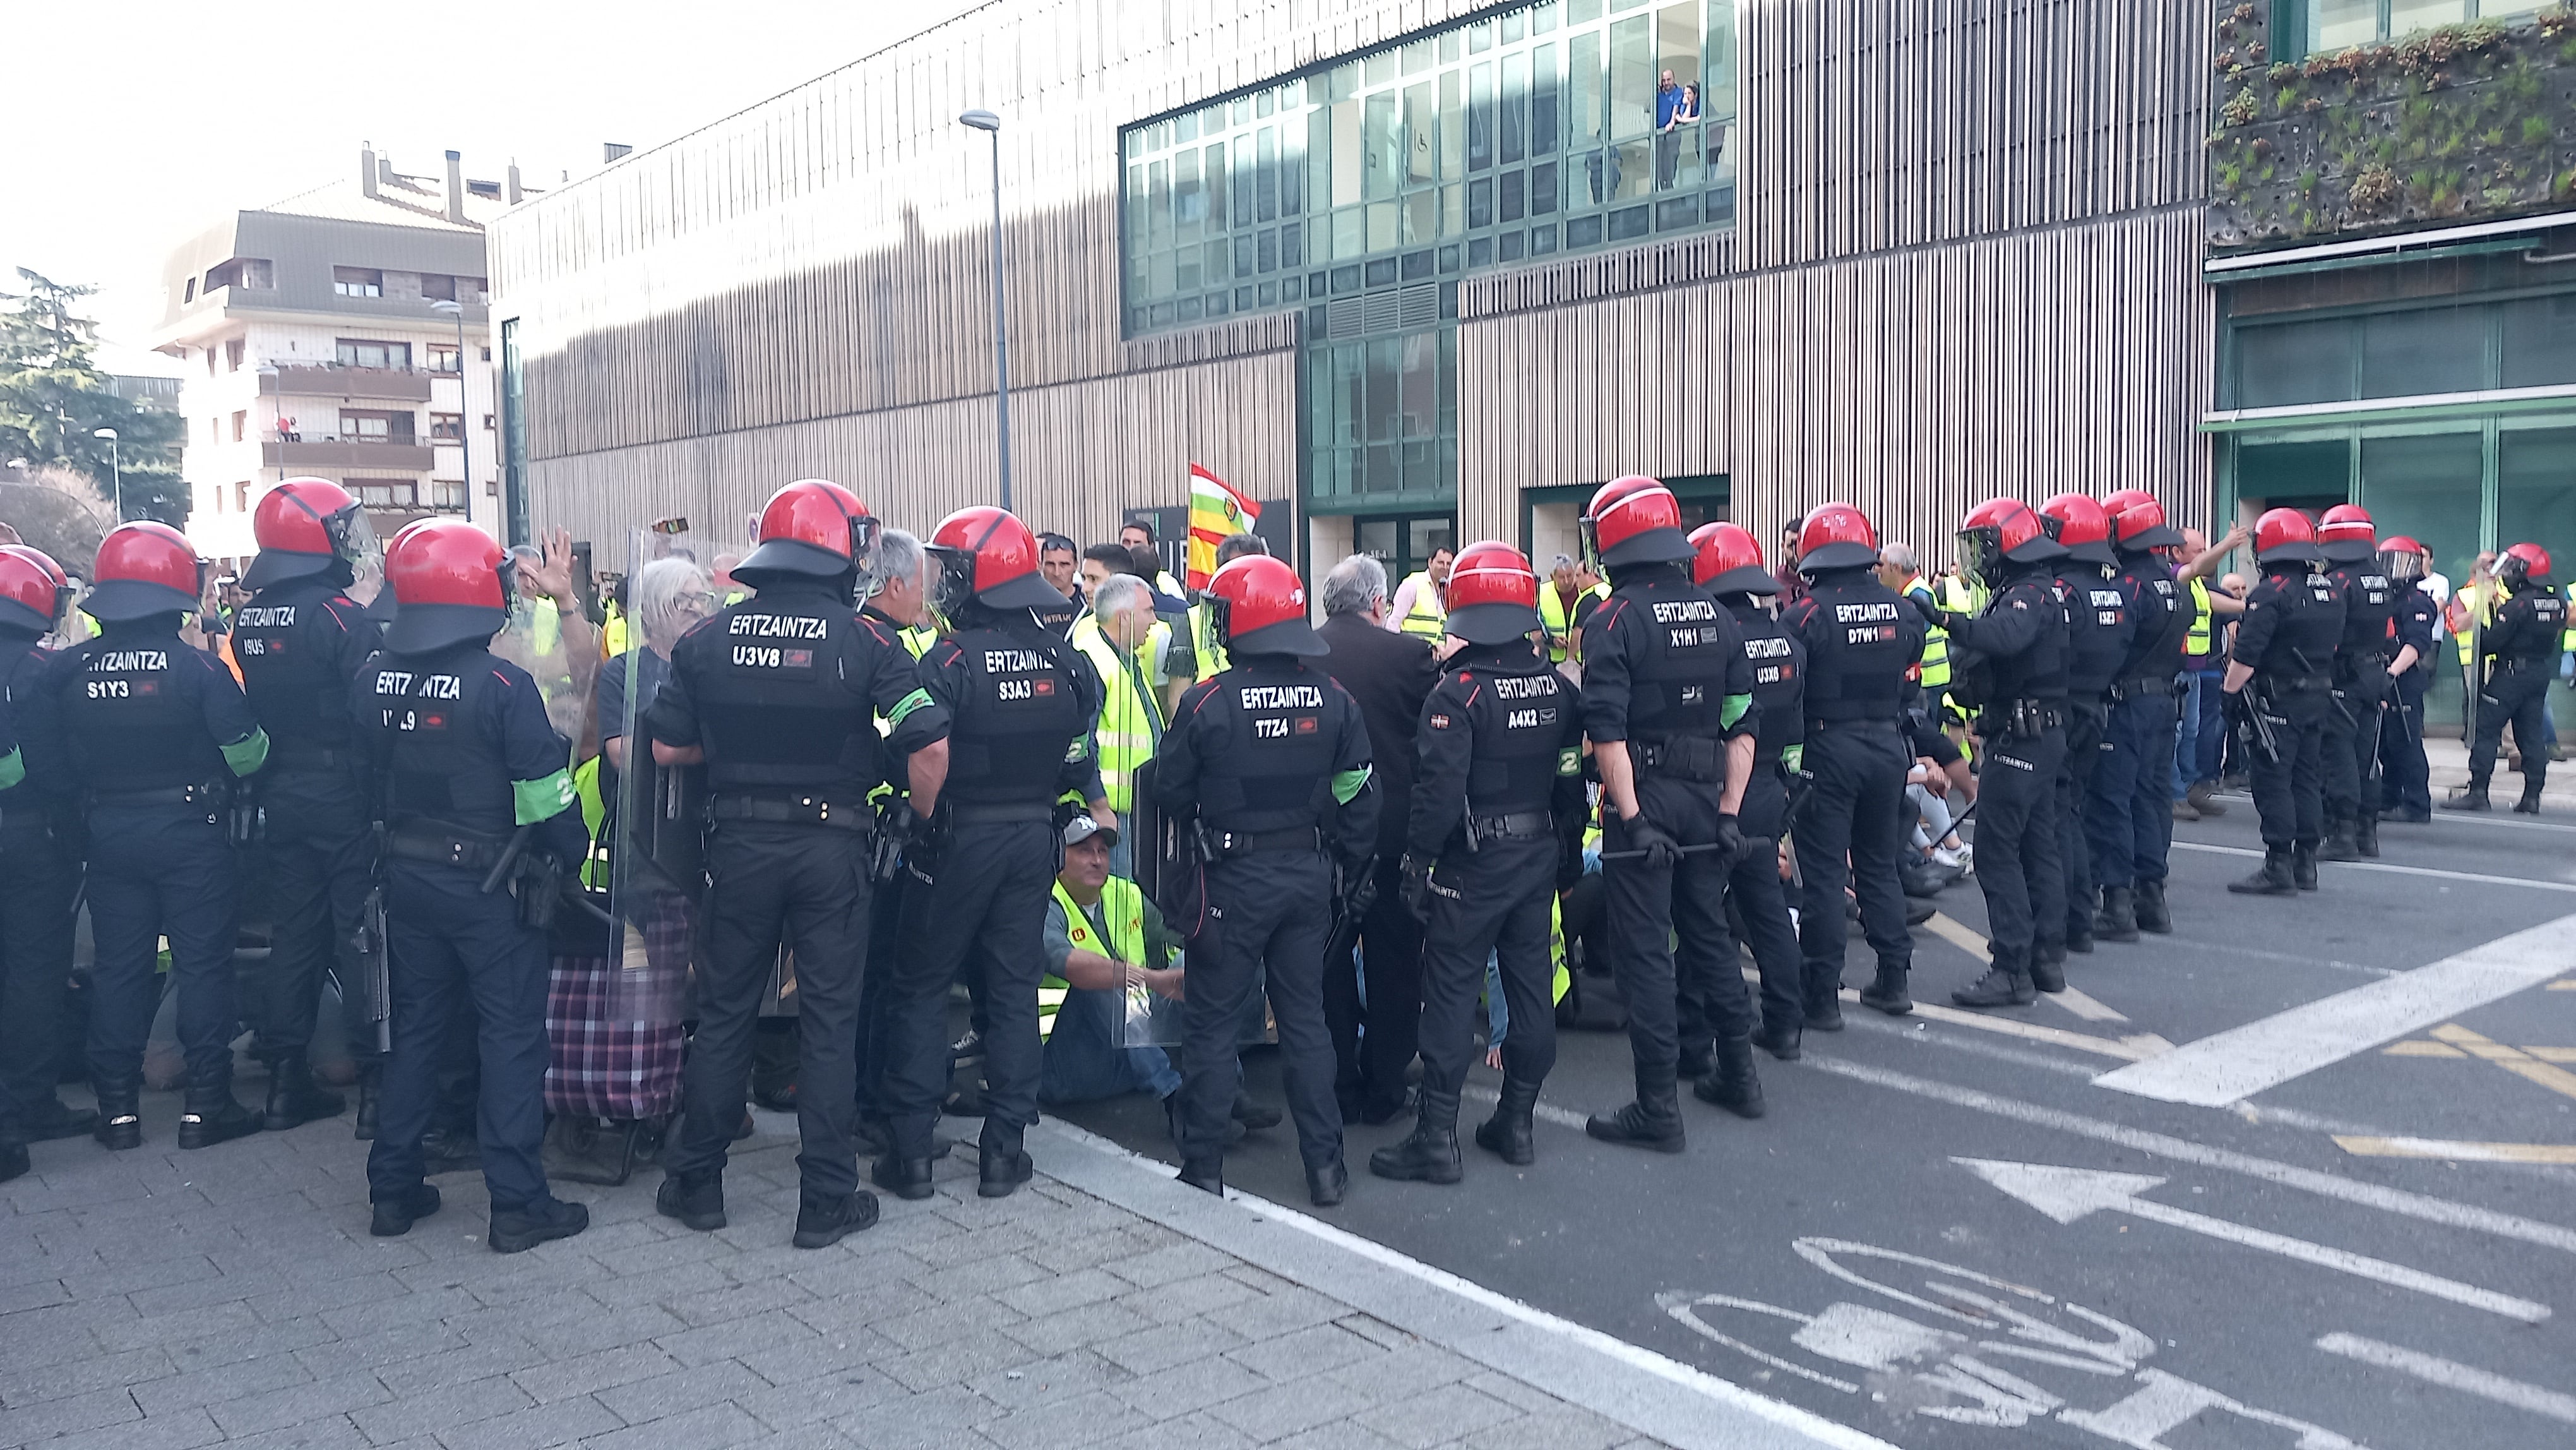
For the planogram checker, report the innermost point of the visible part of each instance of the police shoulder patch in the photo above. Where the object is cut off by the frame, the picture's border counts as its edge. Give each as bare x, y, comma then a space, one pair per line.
1439, 721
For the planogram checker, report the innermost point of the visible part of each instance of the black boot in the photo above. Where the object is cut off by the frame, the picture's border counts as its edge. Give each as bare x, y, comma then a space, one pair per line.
2118, 918
823, 1222
293, 1100
120, 1114
1430, 1153
696, 1200
907, 1178
1733, 1086
2303, 865
370, 1076
524, 1228
394, 1216
2007, 985
445, 1150
2529, 805
2365, 833
2339, 844
1207, 1175
1694, 1062
1886, 991
2148, 906
2079, 930
1002, 1165
2470, 797
1824, 1010
49, 1120
1510, 1134
2272, 878
211, 1114
1326, 1185
1778, 1039
1654, 1120
14, 1162
2048, 969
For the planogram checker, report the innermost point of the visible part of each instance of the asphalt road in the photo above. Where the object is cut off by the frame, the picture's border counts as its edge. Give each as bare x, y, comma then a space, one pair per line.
2265, 1274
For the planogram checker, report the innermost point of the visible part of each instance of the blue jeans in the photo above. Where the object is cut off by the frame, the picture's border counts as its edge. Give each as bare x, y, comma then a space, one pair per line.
1085, 1060
2186, 734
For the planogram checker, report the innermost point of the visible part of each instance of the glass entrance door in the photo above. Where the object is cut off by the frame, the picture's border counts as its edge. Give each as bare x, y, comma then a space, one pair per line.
1405, 542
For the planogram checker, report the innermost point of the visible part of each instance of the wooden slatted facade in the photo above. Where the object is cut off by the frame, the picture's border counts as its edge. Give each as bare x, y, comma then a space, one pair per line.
1967, 261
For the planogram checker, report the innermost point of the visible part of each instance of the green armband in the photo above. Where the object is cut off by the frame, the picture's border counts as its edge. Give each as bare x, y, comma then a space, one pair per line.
1733, 710
248, 753
1569, 762
541, 800
906, 706
1347, 783
1794, 756
13, 768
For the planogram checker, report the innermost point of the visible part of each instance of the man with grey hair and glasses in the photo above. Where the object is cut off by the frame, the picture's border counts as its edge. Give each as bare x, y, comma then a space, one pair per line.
1390, 675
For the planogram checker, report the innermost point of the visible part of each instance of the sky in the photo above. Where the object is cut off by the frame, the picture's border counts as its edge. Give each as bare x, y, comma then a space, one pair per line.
133, 126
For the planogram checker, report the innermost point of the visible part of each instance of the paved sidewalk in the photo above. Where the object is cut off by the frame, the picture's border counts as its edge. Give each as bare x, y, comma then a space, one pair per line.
155, 1300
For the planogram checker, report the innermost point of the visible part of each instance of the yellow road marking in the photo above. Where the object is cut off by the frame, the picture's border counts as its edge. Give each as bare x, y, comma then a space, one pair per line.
2418, 1047
2563, 984
2458, 1152
2512, 1059
1959, 934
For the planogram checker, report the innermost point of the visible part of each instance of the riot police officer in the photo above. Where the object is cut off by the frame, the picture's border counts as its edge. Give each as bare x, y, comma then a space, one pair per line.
779, 694
299, 642
1728, 564
157, 733
1496, 827
2098, 635
477, 792
1267, 767
2012, 660
1019, 701
2278, 678
37, 827
2349, 744
2405, 776
2515, 659
2130, 807
1668, 704
1860, 639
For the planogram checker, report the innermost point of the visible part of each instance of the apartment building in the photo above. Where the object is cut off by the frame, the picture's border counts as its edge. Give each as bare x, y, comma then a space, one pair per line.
341, 333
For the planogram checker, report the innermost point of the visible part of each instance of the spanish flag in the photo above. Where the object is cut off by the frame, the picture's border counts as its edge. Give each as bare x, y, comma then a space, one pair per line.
1216, 511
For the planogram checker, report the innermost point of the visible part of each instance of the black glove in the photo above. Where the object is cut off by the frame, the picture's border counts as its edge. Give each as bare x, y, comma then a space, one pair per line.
1662, 851
1730, 837
1569, 864
1359, 887
2235, 706
1417, 886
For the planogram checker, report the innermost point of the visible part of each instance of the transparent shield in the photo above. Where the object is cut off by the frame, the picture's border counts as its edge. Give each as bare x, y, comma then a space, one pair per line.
1152, 1019
654, 811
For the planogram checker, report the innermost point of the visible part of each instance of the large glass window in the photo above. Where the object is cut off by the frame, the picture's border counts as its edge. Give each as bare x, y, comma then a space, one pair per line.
1552, 128
2524, 342
2335, 24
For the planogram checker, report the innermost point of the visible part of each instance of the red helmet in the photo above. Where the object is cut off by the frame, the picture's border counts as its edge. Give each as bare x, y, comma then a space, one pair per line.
33, 591
987, 555
2401, 559
812, 529
2285, 535
451, 582
1493, 596
2138, 521
2001, 531
144, 569
2521, 564
1729, 561
304, 526
2082, 525
1260, 608
1634, 520
1836, 536
2346, 534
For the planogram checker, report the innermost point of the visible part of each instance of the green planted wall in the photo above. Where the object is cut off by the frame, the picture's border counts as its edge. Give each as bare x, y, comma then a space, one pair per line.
2462, 123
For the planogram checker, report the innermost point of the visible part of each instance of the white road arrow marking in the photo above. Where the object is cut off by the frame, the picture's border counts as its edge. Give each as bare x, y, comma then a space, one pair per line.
2067, 1194
2463, 1377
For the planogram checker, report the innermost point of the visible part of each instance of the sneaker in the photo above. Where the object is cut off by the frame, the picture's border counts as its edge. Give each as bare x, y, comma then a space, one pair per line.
1961, 858
2185, 811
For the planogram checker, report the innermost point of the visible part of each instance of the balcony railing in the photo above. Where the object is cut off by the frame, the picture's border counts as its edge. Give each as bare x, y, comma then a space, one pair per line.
329, 380
402, 455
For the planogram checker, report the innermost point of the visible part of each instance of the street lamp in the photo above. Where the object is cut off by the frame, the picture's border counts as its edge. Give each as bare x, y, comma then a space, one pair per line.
464, 404
991, 125
115, 468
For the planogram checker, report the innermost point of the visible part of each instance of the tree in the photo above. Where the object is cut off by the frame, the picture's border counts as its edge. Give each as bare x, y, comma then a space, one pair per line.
54, 399
58, 509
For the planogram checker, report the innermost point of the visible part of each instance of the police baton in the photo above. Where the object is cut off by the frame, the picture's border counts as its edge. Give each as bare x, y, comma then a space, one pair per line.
1640, 854
510, 855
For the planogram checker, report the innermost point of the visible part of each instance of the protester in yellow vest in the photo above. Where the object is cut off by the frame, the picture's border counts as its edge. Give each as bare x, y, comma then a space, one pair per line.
1120, 624
1417, 608
1900, 570
1203, 641
1106, 947
1561, 609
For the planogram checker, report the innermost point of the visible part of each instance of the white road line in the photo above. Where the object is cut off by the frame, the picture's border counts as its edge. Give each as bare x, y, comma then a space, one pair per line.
2181, 1150
2068, 1194
1959, 934
2133, 1048
2243, 1061
2450, 1374
2478, 877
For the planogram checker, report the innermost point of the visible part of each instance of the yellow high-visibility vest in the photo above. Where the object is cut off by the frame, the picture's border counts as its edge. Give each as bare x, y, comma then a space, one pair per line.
1131, 719
2567, 637
1122, 907
2478, 601
1558, 616
1936, 642
1426, 619
2195, 641
1211, 655
613, 635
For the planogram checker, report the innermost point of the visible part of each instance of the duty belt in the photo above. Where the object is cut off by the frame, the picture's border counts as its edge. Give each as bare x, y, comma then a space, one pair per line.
1513, 826
209, 793
1223, 844
442, 848
2299, 682
2026, 718
980, 813
313, 757
1691, 757
803, 810
2142, 685
2516, 664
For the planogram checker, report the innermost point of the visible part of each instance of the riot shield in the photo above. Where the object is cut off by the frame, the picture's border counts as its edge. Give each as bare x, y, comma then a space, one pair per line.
656, 811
